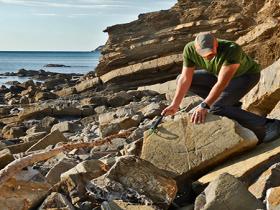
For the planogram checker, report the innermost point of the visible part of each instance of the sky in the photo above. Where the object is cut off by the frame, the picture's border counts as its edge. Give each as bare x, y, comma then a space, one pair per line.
66, 25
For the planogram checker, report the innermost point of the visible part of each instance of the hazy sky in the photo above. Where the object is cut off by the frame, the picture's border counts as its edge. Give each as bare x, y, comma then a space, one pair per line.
66, 24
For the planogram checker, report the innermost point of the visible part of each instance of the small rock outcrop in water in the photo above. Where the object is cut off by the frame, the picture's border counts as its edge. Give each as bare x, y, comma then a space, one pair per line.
83, 142
55, 65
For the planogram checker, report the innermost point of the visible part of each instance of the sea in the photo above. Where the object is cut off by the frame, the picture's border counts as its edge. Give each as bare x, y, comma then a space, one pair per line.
79, 62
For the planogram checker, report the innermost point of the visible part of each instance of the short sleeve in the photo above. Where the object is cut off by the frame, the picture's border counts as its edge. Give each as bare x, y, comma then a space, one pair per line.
233, 55
187, 62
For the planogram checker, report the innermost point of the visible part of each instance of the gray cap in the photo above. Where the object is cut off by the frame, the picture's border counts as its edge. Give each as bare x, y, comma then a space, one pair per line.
204, 43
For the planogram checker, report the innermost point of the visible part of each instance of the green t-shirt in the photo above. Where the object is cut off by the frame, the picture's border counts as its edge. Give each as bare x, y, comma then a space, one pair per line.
227, 53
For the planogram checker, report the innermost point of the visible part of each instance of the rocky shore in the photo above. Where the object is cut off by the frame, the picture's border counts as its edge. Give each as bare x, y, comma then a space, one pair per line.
84, 141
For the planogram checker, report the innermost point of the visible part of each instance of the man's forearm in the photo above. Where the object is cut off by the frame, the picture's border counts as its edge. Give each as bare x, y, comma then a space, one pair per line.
214, 94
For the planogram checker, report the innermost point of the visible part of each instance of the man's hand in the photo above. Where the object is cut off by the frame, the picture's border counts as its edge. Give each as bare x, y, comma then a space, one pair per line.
199, 115
170, 110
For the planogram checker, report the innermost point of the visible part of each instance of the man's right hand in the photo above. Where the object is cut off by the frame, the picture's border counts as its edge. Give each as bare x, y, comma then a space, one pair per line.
170, 110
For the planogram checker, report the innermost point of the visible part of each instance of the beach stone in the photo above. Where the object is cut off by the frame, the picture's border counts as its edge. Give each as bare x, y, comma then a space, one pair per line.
35, 112
100, 109
266, 94
34, 136
248, 165
40, 96
67, 111
48, 122
23, 192
137, 178
273, 198
21, 147
51, 139
66, 92
95, 100
119, 124
87, 84
268, 179
133, 148
35, 129
65, 126
5, 157
121, 205
120, 99
24, 100
185, 148
56, 201
227, 192
153, 109
117, 144
76, 178
13, 101
5, 110
53, 176
50, 84
27, 84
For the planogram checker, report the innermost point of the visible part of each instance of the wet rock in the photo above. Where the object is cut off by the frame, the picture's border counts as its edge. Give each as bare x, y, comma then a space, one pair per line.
56, 201
120, 205
227, 192
273, 198
268, 179
134, 179
53, 176
120, 99
23, 192
186, 148
40, 96
5, 157
51, 139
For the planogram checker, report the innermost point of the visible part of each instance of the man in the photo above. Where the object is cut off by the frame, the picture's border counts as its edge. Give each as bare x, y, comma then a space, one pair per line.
228, 74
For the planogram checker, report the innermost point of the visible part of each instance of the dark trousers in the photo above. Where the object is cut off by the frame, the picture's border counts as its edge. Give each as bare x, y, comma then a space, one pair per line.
228, 103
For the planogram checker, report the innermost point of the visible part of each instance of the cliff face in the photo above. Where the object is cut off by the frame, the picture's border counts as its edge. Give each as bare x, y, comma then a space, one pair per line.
148, 50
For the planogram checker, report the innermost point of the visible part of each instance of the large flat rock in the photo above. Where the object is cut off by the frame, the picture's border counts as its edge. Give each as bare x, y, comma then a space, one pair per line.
185, 148
248, 165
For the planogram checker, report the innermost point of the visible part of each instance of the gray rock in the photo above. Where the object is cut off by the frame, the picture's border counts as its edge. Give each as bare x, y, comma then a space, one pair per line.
227, 192
134, 179
66, 126
120, 99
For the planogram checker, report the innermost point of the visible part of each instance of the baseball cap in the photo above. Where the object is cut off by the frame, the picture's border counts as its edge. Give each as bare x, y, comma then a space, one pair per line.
204, 43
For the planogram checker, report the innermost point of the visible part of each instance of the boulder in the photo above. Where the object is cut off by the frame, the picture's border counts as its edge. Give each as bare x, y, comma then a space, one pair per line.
120, 205
268, 179
40, 96
5, 157
34, 136
66, 126
120, 99
67, 111
227, 192
56, 201
116, 145
153, 109
14, 132
247, 166
273, 198
35, 112
66, 92
185, 148
266, 94
51, 139
48, 122
53, 176
137, 180
25, 191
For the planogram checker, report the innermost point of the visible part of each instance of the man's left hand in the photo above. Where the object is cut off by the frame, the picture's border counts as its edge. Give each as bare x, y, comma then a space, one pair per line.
199, 115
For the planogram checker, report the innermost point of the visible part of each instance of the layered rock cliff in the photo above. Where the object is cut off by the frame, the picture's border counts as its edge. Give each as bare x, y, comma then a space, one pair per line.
148, 50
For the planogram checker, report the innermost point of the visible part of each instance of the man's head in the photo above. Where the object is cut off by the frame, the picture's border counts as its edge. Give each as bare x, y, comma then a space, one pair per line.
206, 45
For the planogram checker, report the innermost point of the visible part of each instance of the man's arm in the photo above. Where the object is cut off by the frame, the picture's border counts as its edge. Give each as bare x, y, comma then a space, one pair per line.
183, 85
225, 75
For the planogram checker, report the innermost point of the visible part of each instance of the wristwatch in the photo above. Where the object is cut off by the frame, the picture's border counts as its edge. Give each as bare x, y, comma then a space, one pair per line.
204, 105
